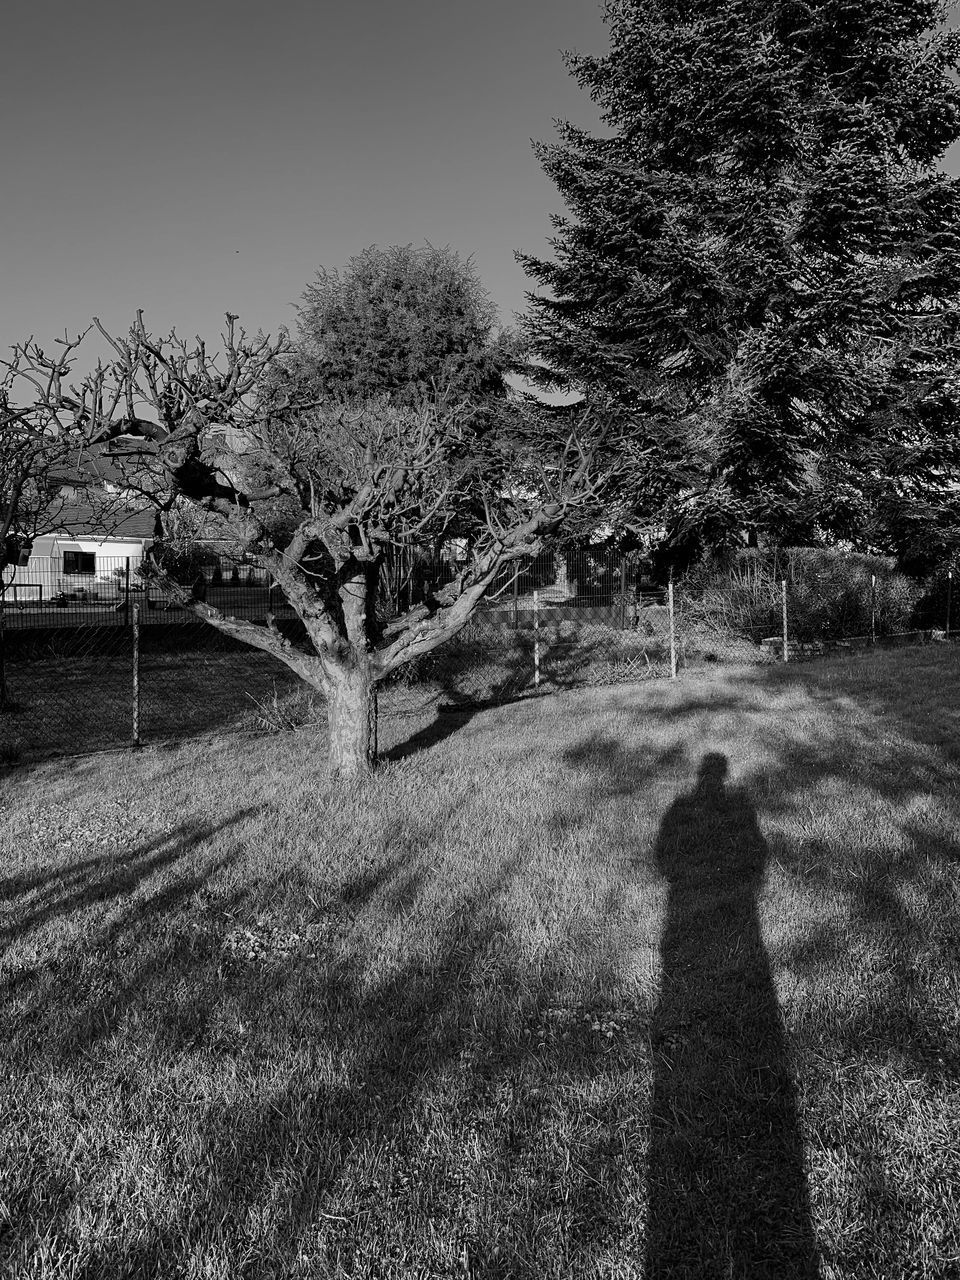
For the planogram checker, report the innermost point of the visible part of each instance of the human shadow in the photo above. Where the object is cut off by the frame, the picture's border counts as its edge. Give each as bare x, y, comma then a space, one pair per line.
727, 1193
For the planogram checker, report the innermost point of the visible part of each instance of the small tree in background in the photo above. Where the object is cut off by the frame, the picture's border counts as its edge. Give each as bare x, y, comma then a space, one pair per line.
403, 322
760, 264
316, 493
409, 325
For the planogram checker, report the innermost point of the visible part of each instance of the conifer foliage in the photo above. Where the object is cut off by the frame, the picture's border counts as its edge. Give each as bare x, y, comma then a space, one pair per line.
760, 263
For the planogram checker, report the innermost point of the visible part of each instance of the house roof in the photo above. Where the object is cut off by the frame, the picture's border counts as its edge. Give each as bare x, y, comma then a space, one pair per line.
96, 463
79, 519
92, 502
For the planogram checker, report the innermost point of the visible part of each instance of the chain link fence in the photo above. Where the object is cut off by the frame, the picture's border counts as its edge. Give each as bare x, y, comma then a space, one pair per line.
116, 671
78, 689
85, 588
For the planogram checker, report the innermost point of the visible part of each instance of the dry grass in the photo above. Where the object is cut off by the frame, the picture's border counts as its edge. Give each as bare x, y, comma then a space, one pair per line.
536, 1003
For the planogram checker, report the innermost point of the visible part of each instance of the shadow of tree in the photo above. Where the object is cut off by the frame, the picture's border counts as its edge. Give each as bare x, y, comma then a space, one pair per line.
57, 1007
490, 668
447, 722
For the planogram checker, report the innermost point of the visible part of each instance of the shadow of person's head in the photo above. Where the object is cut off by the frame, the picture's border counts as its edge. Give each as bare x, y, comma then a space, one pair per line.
712, 775
710, 833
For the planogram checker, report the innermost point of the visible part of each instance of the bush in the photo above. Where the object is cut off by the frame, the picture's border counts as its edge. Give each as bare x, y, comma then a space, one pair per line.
938, 598
829, 594
183, 562
286, 709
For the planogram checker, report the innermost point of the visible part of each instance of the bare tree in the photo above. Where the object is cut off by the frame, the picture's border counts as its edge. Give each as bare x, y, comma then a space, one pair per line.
39, 449
37, 446
316, 494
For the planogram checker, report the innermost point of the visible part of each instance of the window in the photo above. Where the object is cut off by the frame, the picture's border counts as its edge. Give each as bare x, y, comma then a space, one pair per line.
79, 562
23, 559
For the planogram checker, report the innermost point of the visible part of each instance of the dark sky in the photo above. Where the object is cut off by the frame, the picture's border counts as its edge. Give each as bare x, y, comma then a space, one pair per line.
194, 156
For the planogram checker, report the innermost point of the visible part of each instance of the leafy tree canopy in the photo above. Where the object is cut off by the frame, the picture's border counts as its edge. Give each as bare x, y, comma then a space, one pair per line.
405, 322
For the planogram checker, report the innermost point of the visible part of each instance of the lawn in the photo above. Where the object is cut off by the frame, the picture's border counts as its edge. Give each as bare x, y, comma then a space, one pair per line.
653, 981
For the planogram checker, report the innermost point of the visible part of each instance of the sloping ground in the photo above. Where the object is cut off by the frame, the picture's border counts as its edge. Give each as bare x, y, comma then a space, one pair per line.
651, 981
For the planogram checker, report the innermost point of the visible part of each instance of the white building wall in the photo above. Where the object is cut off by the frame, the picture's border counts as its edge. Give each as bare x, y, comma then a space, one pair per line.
43, 575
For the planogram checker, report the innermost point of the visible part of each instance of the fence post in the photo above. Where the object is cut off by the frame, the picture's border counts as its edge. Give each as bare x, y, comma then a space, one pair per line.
623, 593
126, 595
949, 601
136, 675
536, 639
3, 651
673, 638
516, 599
873, 608
783, 600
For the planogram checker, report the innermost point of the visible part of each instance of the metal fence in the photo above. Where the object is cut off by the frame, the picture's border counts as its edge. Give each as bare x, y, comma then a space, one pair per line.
88, 589
128, 667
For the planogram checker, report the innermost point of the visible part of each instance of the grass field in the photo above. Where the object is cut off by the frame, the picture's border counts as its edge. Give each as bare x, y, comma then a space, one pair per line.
657, 981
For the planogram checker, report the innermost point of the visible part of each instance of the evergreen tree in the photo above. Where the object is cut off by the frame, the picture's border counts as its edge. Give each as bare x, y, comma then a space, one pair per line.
761, 265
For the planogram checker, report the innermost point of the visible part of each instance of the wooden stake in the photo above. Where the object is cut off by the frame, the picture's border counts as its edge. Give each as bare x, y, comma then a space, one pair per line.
873, 608
136, 675
536, 639
949, 601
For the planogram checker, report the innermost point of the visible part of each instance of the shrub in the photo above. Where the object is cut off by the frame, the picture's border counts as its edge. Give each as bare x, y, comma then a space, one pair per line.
184, 562
287, 709
829, 594
931, 608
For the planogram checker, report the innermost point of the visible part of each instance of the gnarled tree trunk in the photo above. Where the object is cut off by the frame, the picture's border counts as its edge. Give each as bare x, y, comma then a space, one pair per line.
352, 718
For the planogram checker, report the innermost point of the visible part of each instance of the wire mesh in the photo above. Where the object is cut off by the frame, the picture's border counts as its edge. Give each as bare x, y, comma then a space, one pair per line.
567, 618
90, 589
194, 679
65, 690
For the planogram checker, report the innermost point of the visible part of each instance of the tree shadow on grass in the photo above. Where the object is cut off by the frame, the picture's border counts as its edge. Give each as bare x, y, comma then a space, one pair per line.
446, 1049
452, 715
32, 899
446, 723
399, 1035
726, 1188
87, 944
